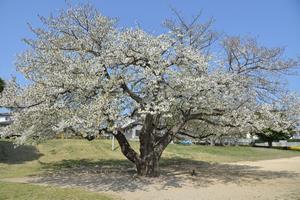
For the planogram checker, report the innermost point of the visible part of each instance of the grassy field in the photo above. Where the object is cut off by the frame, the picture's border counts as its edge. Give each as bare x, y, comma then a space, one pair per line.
55, 155
20, 191
29, 160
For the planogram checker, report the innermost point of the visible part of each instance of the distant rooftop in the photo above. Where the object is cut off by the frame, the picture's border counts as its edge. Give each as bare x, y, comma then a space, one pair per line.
4, 114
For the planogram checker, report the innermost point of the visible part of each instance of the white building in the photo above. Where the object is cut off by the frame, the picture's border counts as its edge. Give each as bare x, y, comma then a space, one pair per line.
5, 119
133, 133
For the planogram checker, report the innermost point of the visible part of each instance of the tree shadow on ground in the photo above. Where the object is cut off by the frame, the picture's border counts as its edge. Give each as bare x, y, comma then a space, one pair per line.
11, 154
120, 175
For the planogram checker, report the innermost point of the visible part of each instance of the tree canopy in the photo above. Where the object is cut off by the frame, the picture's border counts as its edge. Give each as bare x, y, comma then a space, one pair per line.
270, 135
88, 75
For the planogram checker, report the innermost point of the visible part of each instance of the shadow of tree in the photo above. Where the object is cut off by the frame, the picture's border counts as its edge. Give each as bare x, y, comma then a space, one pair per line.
120, 175
11, 154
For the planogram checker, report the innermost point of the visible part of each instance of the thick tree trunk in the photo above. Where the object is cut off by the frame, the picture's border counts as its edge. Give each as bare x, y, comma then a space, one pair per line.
270, 143
148, 167
152, 145
149, 155
147, 164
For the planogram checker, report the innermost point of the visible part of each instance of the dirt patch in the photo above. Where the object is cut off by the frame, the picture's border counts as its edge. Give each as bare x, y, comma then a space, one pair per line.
269, 179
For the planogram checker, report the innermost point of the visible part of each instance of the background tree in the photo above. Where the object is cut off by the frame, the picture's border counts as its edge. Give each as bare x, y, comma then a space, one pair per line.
2, 84
270, 135
88, 75
286, 111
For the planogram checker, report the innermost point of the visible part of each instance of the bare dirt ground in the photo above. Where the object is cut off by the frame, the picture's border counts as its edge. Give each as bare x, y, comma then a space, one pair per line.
264, 180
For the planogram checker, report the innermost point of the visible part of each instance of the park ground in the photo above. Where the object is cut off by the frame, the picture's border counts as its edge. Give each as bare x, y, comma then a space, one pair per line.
78, 169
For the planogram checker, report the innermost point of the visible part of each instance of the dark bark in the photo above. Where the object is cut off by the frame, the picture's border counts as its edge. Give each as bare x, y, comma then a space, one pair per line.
149, 156
158, 145
147, 137
270, 143
126, 149
152, 146
2, 84
149, 166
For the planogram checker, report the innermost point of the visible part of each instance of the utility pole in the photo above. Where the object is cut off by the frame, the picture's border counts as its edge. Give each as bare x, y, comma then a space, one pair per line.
113, 143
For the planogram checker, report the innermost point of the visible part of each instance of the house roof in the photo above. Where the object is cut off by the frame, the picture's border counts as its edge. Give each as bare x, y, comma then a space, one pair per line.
5, 114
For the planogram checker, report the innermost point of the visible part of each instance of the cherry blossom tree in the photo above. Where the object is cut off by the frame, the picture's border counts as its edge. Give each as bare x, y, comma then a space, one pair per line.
87, 75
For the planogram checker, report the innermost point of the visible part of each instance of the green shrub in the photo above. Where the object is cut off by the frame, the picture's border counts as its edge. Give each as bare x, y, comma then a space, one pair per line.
293, 140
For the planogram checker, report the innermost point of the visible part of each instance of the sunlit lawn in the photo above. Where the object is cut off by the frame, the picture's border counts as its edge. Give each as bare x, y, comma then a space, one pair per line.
24, 161
60, 154
20, 191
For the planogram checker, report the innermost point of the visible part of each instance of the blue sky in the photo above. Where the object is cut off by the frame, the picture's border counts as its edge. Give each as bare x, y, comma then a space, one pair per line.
273, 22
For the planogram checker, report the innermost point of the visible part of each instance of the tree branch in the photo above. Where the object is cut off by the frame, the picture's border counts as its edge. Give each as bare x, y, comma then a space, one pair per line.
193, 136
126, 149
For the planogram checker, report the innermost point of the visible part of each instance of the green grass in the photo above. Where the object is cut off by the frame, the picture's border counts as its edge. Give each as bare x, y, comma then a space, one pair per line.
57, 155
28, 160
226, 154
19, 191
